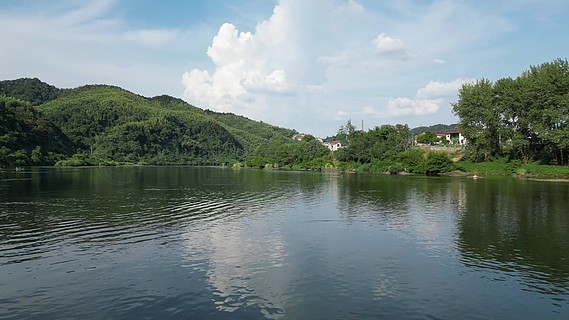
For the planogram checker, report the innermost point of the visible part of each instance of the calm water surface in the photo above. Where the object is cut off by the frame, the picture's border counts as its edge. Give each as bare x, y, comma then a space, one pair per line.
211, 243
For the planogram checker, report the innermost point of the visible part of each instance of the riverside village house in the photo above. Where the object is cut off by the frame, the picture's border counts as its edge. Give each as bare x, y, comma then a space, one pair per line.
333, 145
454, 136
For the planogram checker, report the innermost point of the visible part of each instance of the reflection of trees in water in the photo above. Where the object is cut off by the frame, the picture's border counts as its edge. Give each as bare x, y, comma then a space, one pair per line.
502, 224
117, 196
374, 197
396, 198
164, 201
48, 197
518, 226
420, 209
102, 206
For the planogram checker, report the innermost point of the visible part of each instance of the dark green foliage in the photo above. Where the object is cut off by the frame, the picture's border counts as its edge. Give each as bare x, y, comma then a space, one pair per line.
428, 137
345, 132
309, 154
258, 161
308, 138
504, 166
479, 120
106, 124
385, 149
250, 133
396, 168
261, 129
89, 111
172, 103
359, 148
389, 140
383, 142
438, 162
413, 160
32, 90
84, 159
26, 138
526, 118
168, 140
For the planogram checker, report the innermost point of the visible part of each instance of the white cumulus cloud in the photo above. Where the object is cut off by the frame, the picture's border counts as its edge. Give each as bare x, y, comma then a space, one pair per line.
311, 65
390, 47
440, 89
243, 65
406, 106
308, 65
428, 100
403, 107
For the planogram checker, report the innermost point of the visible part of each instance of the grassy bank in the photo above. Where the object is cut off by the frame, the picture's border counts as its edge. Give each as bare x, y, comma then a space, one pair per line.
503, 167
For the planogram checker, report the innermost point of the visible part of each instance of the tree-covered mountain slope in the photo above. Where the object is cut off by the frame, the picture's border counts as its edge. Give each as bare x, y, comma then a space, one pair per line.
33, 90
26, 138
109, 124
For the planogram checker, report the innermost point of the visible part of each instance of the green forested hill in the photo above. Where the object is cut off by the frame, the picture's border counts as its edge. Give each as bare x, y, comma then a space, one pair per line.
27, 138
33, 91
104, 124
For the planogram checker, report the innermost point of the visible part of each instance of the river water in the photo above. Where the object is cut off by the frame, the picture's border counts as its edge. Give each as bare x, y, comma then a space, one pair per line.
213, 243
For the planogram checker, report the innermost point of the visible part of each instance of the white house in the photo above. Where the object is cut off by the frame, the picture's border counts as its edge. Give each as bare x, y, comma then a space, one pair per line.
333, 145
454, 137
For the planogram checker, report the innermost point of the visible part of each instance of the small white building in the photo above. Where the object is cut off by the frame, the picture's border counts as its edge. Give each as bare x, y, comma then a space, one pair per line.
454, 137
333, 145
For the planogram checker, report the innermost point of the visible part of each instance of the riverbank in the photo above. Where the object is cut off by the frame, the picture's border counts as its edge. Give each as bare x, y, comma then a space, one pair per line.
518, 169
461, 169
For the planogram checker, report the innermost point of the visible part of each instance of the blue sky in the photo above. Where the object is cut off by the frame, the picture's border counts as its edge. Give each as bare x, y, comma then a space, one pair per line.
310, 65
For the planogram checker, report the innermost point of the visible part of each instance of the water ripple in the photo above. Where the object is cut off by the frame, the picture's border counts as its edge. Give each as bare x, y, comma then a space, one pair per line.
211, 243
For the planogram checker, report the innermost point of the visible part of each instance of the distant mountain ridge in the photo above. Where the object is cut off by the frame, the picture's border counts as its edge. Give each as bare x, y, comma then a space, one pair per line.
109, 124
33, 90
433, 128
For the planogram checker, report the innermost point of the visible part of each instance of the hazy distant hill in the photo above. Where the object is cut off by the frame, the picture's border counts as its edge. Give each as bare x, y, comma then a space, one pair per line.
110, 123
436, 127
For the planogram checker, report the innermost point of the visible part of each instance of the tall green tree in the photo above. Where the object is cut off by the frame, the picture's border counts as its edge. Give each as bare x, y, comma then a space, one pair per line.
526, 118
514, 131
546, 97
428, 137
346, 132
479, 120
383, 142
389, 140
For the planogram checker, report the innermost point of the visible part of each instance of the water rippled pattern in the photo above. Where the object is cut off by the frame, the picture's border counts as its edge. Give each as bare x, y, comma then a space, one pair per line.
200, 243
